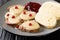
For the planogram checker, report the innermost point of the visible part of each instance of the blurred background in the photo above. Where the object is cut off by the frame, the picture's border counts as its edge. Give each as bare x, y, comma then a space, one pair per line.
3, 2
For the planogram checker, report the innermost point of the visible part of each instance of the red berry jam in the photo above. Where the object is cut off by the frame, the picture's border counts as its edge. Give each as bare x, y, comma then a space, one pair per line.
24, 12
32, 6
17, 26
30, 24
16, 7
30, 15
13, 16
7, 19
7, 14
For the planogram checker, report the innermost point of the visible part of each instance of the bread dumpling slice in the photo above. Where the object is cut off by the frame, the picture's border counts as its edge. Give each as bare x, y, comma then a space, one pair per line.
16, 9
46, 19
13, 20
51, 7
9, 14
30, 26
27, 15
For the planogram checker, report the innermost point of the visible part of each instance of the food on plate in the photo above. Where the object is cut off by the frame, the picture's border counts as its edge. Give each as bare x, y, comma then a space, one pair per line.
12, 19
28, 18
27, 15
12, 16
9, 7
30, 26
45, 16
7, 15
16, 9
51, 7
32, 6
46, 19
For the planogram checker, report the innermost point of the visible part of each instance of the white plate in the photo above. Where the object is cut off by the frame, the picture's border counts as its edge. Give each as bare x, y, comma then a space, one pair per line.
3, 10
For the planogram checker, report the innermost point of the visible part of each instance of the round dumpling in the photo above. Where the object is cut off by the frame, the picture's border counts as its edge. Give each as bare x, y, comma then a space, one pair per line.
51, 7
30, 26
16, 9
46, 19
27, 15
11, 19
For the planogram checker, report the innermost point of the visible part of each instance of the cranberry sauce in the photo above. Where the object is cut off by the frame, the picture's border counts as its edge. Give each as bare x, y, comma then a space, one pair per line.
32, 6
